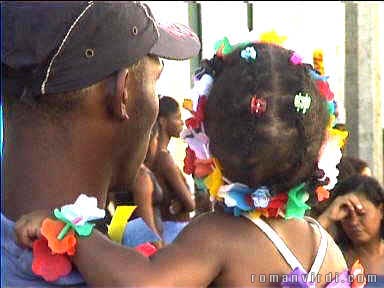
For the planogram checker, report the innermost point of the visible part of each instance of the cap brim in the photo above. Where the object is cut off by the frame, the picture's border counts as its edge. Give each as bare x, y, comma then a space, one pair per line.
176, 42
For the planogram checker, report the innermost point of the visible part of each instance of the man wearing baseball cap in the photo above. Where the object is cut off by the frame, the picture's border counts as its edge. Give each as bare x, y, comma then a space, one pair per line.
78, 97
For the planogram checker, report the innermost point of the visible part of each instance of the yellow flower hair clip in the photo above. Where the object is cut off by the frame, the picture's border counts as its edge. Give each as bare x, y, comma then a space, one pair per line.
215, 180
273, 38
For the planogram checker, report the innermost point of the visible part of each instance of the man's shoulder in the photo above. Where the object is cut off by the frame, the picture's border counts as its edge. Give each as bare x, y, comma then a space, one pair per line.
164, 159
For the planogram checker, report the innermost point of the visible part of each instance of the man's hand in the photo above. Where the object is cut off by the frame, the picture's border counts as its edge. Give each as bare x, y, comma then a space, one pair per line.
27, 228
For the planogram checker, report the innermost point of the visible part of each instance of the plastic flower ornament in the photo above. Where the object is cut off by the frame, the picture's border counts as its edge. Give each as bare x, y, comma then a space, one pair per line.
273, 38
244, 199
85, 207
249, 54
215, 180
296, 206
261, 197
78, 214
330, 156
202, 87
198, 142
302, 102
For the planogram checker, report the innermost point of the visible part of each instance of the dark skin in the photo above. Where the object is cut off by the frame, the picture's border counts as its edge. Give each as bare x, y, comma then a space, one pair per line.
143, 190
148, 208
178, 201
38, 154
215, 249
361, 220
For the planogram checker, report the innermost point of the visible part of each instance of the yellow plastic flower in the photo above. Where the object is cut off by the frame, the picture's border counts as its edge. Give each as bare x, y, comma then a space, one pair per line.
254, 214
272, 37
318, 61
188, 105
332, 121
338, 135
215, 180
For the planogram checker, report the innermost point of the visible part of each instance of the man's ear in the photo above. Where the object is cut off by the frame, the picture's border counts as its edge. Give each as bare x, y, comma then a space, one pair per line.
162, 122
120, 96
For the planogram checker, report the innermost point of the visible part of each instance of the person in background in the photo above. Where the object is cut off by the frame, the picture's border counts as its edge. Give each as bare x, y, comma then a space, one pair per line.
177, 198
358, 212
349, 166
147, 195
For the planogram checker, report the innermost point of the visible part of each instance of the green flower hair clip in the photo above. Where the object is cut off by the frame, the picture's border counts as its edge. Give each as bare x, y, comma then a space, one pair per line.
224, 47
302, 102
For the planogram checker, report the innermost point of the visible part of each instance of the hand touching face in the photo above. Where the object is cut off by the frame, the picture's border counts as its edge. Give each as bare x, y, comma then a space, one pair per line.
361, 219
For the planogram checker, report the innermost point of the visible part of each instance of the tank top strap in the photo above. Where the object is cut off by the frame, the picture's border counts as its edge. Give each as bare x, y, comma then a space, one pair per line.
322, 251
286, 253
278, 242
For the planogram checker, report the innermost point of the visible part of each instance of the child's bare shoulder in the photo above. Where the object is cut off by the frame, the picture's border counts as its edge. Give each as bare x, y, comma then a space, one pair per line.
223, 227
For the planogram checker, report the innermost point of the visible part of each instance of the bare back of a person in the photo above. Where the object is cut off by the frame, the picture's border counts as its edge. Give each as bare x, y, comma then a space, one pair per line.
252, 260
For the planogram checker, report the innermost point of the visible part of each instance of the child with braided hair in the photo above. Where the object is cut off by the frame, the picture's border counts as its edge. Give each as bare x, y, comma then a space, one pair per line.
262, 143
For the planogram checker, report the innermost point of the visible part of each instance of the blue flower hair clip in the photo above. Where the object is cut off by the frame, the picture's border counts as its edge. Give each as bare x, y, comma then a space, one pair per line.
241, 198
249, 54
316, 76
261, 197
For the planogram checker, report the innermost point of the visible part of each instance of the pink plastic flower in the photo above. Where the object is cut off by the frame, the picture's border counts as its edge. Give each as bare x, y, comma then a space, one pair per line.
296, 59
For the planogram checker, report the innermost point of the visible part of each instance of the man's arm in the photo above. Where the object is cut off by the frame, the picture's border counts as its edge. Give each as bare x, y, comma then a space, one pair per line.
190, 261
172, 175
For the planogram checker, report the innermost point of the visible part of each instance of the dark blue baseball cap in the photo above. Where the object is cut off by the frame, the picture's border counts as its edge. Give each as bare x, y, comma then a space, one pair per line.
54, 47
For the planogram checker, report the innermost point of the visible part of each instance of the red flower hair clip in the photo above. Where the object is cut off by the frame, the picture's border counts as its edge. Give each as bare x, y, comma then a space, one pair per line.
258, 106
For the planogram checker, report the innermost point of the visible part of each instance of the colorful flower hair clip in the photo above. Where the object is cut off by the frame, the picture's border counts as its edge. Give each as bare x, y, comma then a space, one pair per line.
261, 197
223, 47
258, 106
318, 61
295, 59
316, 76
296, 206
249, 54
273, 38
302, 102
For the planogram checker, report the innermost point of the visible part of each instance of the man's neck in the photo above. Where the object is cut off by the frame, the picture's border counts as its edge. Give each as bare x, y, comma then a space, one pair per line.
44, 175
164, 140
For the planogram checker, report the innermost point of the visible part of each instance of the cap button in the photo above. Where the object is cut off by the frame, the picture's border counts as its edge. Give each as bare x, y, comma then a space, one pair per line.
89, 53
135, 30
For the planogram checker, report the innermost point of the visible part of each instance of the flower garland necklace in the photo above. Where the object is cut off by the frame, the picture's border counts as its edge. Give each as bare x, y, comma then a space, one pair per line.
237, 197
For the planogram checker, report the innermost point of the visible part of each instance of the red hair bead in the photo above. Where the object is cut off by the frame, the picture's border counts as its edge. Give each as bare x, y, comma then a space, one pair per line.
258, 106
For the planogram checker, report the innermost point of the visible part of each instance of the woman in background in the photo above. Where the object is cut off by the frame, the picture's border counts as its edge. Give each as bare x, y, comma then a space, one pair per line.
177, 202
357, 211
